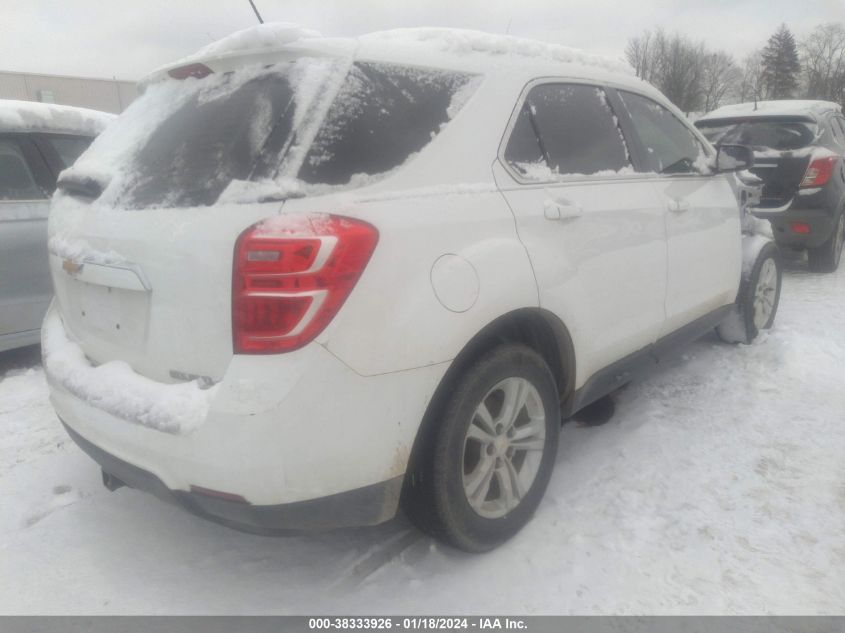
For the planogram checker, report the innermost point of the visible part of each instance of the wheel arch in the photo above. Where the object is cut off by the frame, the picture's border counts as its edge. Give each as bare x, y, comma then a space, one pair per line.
537, 328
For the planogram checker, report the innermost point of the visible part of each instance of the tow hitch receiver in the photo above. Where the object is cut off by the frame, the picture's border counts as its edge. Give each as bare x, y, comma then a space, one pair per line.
111, 482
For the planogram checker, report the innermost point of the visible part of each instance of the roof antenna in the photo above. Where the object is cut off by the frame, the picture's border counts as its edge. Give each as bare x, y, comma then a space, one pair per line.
257, 14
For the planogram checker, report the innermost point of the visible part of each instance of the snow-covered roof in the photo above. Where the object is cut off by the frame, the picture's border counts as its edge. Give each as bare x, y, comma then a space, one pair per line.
30, 116
785, 107
270, 36
456, 43
457, 49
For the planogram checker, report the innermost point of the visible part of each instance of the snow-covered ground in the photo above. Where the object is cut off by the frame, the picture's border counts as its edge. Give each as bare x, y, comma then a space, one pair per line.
717, 487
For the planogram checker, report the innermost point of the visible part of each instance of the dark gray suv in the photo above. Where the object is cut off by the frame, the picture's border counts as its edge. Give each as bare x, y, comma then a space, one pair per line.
798, 153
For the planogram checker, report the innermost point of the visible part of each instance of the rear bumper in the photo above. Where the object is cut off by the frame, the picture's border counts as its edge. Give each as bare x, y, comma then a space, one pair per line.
815, 208
307, 443
820, 223
369, 505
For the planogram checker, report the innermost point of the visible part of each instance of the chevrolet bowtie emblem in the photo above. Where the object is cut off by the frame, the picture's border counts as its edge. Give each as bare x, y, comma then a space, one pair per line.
71, 267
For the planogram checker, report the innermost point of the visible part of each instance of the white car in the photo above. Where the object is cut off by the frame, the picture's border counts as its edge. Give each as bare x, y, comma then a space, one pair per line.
37, 141
303, 279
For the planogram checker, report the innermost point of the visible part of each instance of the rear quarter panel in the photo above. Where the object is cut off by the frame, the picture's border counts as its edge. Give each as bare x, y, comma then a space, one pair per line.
394, 320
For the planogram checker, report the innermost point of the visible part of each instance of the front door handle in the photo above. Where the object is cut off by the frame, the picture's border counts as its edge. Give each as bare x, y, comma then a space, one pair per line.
562, 210
679, 205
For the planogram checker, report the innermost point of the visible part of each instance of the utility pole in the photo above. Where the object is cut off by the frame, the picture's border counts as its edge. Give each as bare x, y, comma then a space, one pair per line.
257, 14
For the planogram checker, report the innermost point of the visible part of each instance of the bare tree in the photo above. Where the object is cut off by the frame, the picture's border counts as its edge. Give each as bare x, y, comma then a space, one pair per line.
681, 79
720, 77
673, 63
644, 53
751, 82
823, 56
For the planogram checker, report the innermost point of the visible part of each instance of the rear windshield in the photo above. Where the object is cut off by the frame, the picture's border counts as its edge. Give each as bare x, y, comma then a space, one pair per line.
780, 135
319, 123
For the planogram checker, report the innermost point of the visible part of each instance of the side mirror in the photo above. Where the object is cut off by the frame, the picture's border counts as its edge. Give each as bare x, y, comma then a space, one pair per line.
733, 158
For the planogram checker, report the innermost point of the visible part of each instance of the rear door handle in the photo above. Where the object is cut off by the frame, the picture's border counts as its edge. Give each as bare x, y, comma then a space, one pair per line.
679, 205
562, 210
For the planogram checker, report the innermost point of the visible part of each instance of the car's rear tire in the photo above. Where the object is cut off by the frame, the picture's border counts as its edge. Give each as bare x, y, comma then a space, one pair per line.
489, 460
758, 299
825, 258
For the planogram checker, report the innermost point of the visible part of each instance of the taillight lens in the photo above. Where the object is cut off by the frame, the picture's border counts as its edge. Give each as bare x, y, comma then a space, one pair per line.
291, 275
198, 71
819, 172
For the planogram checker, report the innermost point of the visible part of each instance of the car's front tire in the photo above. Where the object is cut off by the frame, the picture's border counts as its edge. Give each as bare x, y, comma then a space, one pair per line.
825, 258
757, 301
489, 461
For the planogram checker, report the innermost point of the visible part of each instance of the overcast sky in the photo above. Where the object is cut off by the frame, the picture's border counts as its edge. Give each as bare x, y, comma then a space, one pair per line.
128, 38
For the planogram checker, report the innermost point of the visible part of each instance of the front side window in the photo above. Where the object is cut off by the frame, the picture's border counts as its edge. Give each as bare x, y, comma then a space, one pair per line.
566, 130
670, 146
16, 179
68, 148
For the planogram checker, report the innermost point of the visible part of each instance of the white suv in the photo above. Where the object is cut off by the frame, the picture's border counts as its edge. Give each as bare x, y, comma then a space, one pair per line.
302, 280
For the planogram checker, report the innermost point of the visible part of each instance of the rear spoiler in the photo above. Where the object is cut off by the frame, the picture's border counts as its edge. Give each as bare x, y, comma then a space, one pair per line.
197, 66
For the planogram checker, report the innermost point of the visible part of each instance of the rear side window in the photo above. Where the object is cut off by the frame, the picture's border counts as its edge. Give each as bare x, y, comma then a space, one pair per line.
566, 130
382, 115
670, 146
782, 135
17, 181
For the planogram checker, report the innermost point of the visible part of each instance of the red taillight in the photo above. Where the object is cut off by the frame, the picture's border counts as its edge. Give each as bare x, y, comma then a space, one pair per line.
819, 172
198, 71
800, 227
291, 275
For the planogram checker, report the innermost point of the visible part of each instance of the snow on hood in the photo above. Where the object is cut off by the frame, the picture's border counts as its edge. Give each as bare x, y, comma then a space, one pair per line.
115, 388
785, 107
31, 116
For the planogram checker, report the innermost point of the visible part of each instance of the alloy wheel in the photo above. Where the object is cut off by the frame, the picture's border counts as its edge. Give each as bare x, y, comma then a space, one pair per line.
503, 447
764, 293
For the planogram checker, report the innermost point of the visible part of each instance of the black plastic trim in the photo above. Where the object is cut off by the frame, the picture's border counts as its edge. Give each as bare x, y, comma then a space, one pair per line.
623, 371
369, 505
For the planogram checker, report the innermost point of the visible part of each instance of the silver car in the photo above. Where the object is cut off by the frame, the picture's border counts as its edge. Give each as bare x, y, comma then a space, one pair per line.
37, 141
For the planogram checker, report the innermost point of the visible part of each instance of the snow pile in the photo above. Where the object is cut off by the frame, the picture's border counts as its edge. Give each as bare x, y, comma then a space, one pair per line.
29, 116
464, 42
114, 388
784, 107
255, 38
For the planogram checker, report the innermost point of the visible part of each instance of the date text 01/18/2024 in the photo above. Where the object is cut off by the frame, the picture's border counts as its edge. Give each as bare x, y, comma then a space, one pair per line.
416, 623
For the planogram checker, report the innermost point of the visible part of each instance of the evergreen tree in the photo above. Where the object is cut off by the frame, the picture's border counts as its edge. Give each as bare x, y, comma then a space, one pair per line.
780, 65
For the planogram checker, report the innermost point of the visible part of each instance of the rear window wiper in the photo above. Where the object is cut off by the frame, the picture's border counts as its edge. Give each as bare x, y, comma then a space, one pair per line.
80, 186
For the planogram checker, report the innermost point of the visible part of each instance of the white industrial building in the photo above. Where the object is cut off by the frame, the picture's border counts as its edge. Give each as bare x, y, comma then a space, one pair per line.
108, 95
